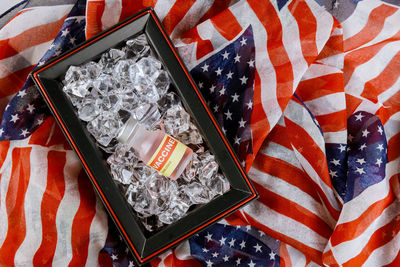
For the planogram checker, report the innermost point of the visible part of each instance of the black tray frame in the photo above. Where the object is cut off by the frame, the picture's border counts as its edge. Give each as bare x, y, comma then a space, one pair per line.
144, 246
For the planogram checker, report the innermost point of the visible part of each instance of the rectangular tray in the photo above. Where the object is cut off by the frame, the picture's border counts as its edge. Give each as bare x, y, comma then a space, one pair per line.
144, 245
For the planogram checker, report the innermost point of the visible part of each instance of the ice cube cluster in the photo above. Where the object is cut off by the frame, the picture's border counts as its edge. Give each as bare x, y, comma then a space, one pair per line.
131, 81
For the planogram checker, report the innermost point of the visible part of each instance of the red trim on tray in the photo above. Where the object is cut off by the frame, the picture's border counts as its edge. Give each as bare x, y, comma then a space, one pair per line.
141, 260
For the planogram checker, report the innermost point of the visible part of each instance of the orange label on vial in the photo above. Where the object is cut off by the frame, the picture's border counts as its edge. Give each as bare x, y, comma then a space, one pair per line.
167, 156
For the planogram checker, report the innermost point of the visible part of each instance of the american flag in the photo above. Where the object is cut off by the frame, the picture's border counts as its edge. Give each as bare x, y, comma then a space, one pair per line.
309, 102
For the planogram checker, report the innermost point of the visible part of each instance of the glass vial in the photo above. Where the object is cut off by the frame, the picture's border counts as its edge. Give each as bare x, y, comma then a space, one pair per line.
158, 150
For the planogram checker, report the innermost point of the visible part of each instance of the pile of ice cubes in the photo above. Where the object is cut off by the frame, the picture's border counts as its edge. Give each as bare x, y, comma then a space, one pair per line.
131, 82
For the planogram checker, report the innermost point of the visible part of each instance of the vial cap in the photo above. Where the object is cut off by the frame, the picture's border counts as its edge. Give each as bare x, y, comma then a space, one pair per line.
127, 130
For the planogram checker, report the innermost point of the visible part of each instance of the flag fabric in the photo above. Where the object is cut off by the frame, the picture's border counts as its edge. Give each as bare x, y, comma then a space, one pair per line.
27, 110
49, 212
309, 102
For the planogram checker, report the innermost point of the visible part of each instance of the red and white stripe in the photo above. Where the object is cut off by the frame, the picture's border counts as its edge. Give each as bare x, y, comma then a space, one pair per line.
371, 22
321, 90
368, 225
297, 205
23, 41
309, 147
177, 16
33, 196
27, 19
291, 257
371, 71
357, 85
50, 214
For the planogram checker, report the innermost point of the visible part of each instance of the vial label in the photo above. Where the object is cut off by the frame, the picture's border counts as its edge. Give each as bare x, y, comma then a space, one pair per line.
167, 156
